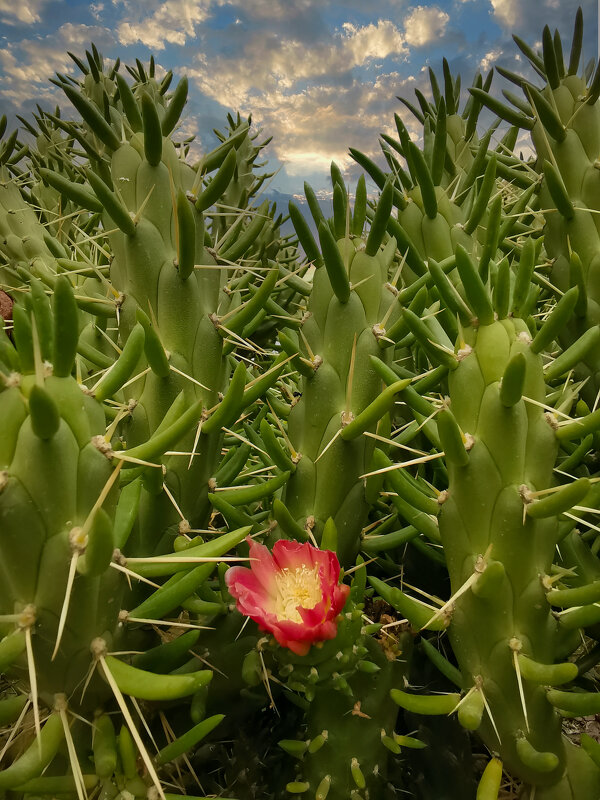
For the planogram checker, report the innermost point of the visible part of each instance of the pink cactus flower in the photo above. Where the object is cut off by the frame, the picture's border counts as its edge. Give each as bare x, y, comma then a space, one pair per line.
293, 592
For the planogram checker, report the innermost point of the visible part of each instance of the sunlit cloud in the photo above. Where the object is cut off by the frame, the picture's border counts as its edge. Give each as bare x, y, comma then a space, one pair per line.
22, 13
424, 24
28, 63
173, 22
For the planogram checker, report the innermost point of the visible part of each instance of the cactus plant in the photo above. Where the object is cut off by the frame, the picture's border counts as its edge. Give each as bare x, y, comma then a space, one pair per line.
392, 420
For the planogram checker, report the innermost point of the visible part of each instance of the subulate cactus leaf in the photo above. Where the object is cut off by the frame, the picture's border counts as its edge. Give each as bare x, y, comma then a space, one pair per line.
111, 203
435, 349
43, 318
474, 288
373, 412
148, 686
189, 739
23, 337
489, 785
252, 306
153, 348
286, 521
555, 321
186, 236
130, 105
175, 107
426, 704
380, 220
66, 328
277, 453
418, 613
548, 116
11, 647
541, 762
127, 753
38, 755
424, 179
229, 407
577, 596
168, 656
470, 710
558, 191
99, 546
249, 236
482, 200
452, 300
245, 496
340, 204
546, 674
334, 264
304, 234
11, 708
579, 428
581, 617
560, 501
502, 110
152, 131
105, 746
441, 663
590, 745
43, 412
175, 562
234, 517
162, 440
123, 367
359, 212
550, 58
93, 117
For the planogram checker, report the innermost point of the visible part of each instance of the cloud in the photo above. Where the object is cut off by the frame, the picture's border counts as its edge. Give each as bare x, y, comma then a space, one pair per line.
173, 22
274, 9
27, 64
318, 125
528, 18
314, 104
274, 65
315, 125
25, 12
372, 41
490, 59
424, 24
96, 10
507, 12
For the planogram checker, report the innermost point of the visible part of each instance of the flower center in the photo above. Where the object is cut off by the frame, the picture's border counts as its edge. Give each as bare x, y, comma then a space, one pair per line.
297, 587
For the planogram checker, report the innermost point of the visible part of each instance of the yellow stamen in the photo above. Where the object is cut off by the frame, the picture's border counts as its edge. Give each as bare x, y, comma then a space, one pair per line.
296, 587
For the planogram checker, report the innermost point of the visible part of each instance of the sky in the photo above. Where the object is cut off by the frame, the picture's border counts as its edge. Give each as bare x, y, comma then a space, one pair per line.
318, 76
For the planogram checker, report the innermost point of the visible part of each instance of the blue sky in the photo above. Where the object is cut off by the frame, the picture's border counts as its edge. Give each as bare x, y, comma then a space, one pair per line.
318, 76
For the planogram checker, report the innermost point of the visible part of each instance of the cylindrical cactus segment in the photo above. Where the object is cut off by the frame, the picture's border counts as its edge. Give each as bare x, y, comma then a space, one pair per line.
565, 124
353, 302
506, 639
59, 489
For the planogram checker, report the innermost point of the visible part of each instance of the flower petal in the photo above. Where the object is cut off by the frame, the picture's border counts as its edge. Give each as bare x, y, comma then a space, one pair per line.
299, 648
262, 564
292, 555
314, 617
258, 592
250, 594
